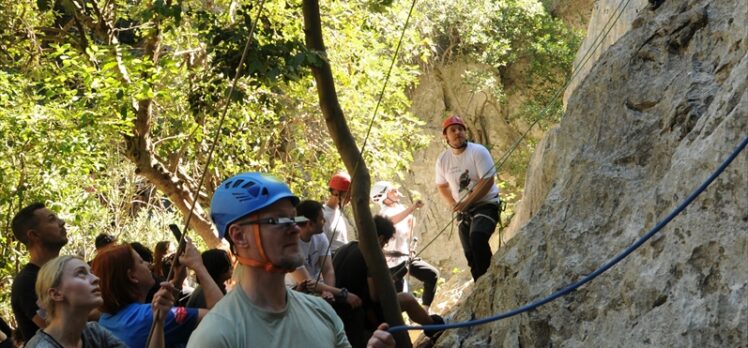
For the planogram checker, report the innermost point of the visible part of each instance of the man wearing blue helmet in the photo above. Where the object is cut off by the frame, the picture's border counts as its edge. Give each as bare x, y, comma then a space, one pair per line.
256, 213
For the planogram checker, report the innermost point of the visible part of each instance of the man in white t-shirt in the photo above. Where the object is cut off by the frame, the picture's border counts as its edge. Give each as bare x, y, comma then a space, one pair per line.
399, 252
336, 225
465, 180
317, 274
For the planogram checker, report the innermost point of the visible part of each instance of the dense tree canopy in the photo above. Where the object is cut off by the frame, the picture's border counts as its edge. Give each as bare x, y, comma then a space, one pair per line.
107, 107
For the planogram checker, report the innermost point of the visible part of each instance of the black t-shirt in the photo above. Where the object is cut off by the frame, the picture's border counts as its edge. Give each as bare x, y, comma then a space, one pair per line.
351, 271
23, 300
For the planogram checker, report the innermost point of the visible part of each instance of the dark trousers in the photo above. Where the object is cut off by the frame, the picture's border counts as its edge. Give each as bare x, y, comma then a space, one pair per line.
476, 227
424, 272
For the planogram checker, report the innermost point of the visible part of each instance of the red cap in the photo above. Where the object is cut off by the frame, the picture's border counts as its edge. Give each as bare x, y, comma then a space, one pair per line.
452, 120
340, 181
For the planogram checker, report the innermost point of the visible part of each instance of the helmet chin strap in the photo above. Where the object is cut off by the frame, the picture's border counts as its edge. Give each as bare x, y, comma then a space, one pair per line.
264, 263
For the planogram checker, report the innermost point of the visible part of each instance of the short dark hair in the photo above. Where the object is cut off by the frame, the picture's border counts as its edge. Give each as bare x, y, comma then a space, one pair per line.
217, 263
25, 220
385, 227
309, 209
104, 239
142, 250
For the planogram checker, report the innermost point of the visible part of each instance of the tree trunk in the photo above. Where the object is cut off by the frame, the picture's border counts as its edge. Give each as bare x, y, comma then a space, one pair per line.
353, 160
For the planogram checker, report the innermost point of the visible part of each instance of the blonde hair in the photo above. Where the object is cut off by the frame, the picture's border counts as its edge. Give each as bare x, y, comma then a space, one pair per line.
50, 276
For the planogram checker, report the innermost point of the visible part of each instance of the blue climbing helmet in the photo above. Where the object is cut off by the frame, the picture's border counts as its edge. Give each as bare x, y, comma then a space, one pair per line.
244, 194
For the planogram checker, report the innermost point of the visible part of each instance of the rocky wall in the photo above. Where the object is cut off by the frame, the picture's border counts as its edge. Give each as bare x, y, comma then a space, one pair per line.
657, 113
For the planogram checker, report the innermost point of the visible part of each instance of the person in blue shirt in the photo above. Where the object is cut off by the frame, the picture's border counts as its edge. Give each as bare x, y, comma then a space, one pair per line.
125, 282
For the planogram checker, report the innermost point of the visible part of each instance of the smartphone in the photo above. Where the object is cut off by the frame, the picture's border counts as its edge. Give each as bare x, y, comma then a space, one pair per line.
176, 232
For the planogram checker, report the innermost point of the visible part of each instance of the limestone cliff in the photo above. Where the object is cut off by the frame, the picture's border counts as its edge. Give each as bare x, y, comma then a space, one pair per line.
655, 115
610, 20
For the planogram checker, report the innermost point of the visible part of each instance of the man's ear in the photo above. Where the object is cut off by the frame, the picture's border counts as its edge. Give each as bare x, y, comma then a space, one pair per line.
240, 239
32, 236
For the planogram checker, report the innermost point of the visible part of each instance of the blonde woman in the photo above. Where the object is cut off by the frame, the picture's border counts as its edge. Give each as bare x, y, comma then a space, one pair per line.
68, 291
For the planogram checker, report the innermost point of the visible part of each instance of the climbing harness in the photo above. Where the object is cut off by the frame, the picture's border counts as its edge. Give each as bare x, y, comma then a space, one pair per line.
573, 286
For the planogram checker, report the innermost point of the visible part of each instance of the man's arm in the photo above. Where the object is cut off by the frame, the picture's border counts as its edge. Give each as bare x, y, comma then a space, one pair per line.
446, 194
328, 273
301, 275
479, 191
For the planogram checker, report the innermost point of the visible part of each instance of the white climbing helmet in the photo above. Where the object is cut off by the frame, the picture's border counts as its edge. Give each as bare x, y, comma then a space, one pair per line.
379, 191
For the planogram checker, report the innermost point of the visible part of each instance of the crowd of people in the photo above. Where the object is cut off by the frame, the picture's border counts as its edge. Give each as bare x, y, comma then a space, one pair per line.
293, 277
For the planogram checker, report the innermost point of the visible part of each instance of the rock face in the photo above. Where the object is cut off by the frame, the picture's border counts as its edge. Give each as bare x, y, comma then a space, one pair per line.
610, 20
655, 116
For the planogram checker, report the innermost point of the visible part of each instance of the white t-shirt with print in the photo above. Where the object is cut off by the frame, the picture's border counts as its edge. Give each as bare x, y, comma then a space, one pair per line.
463, 171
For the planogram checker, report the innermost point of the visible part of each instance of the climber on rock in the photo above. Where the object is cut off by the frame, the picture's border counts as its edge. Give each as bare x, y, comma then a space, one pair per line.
465, 180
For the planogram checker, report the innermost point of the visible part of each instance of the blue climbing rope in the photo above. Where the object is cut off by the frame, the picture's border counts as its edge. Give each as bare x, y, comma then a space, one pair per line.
568, 289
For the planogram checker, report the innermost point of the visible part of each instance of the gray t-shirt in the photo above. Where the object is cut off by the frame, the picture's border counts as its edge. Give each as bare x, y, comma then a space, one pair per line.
307, 321
313, 251
93, 336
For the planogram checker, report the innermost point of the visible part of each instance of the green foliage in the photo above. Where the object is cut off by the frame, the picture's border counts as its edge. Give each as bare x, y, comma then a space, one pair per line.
69, 95
500, 33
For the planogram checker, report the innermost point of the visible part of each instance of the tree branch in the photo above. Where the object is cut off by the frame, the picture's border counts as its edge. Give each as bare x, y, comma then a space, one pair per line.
140, 150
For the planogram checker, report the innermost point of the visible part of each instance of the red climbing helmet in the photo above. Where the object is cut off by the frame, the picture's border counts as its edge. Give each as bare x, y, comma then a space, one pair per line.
452, 120
341, 181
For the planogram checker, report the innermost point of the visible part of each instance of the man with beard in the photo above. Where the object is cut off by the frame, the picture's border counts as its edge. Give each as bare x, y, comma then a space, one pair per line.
43, 234
464, 178
256, 213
